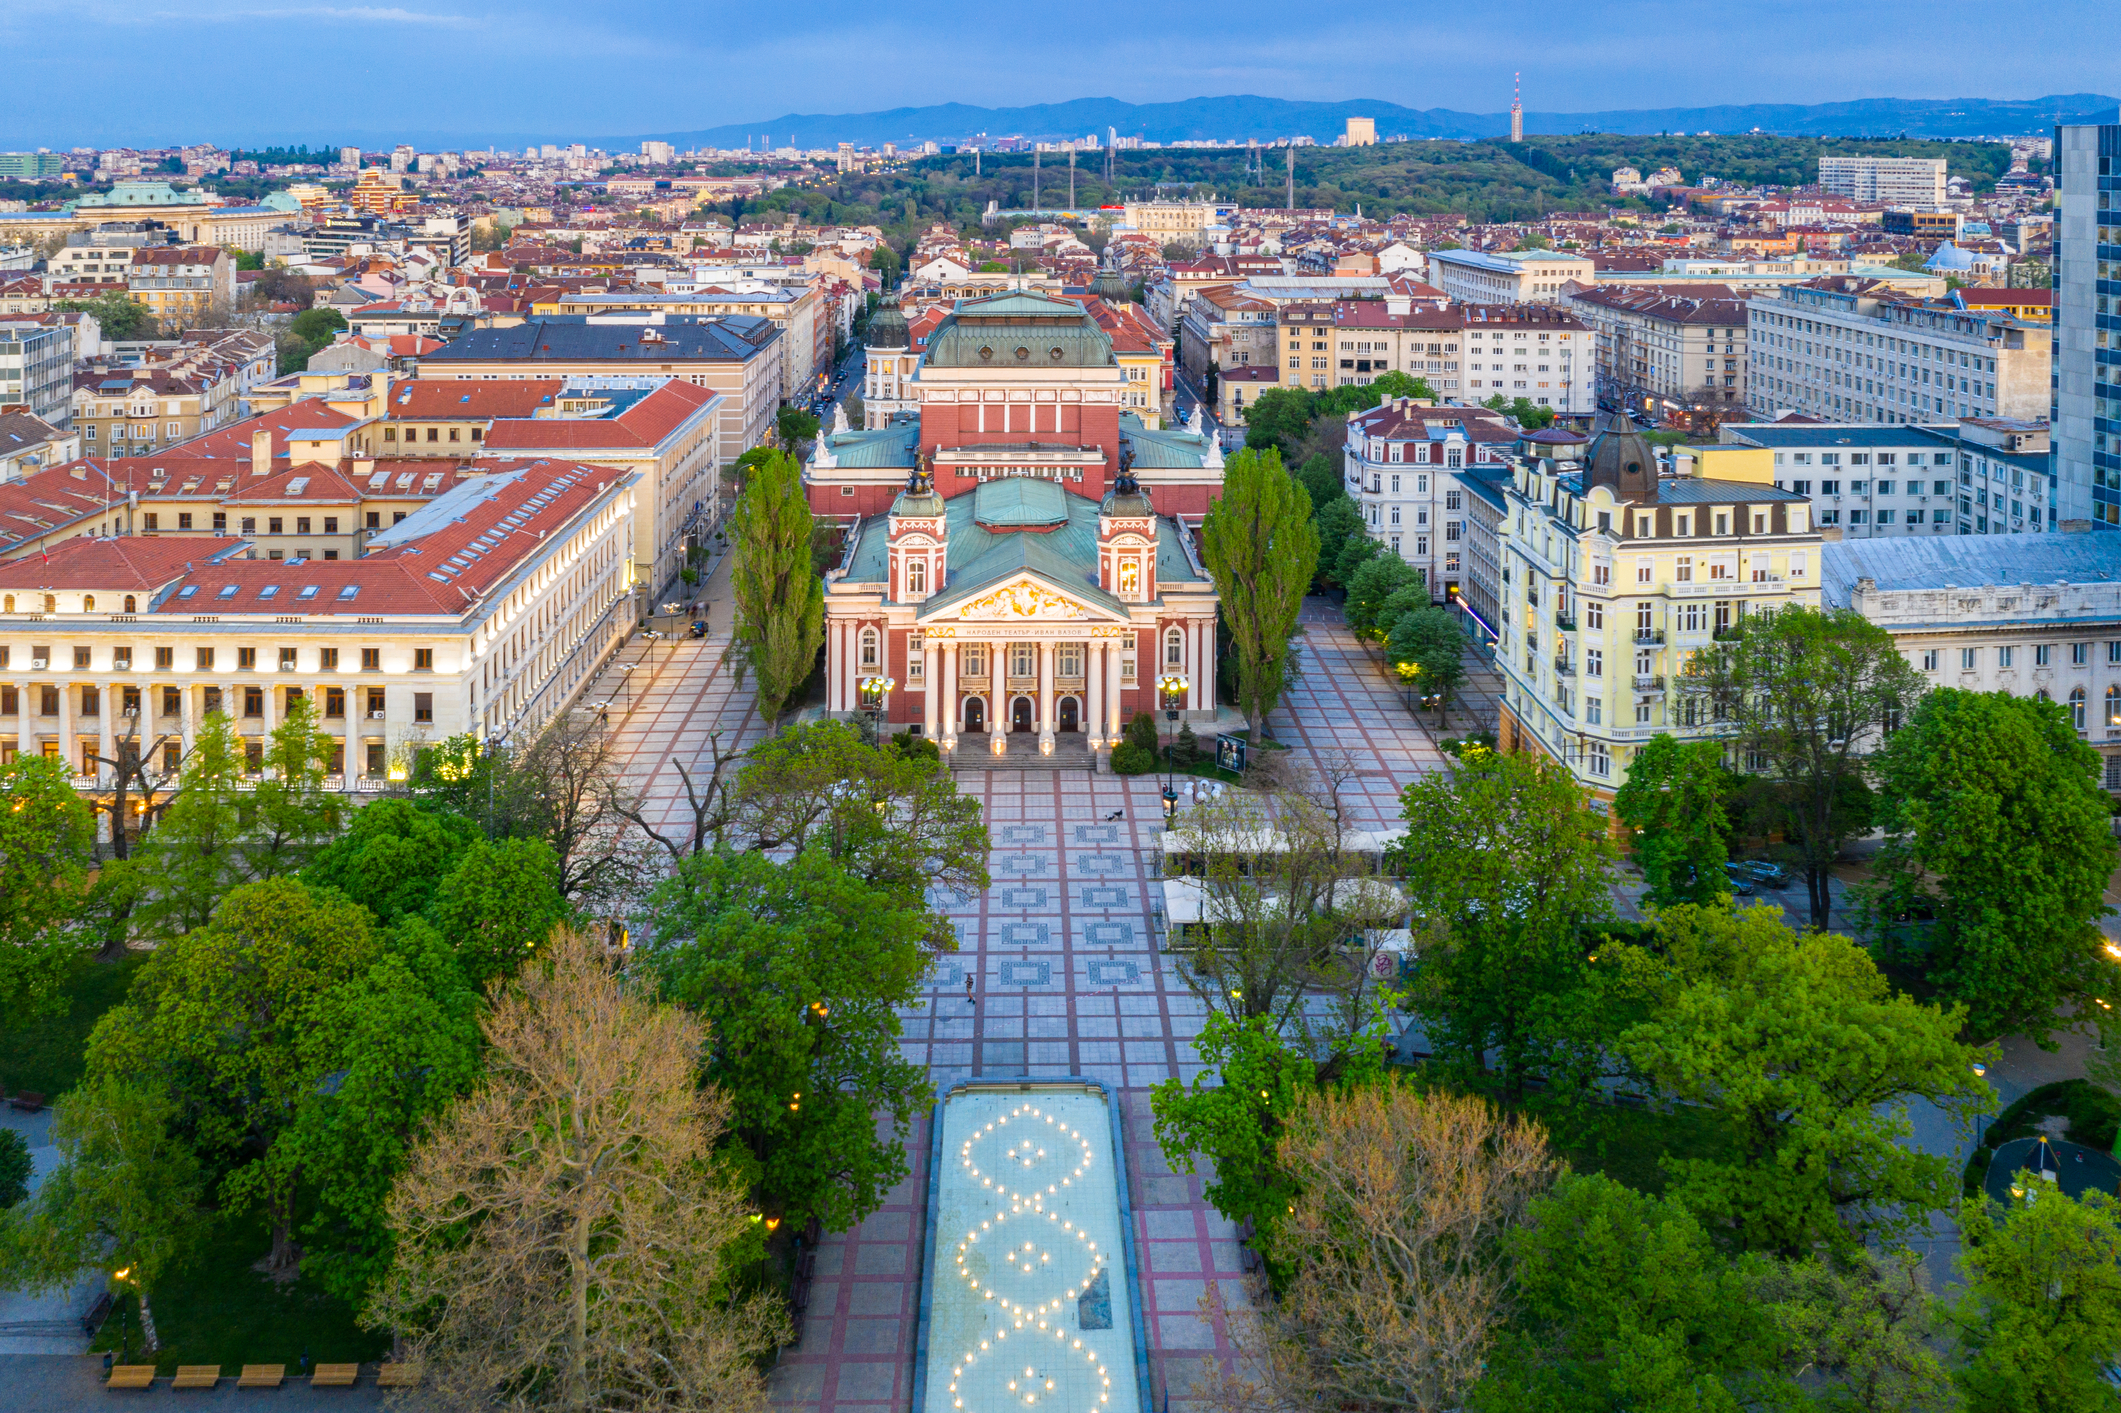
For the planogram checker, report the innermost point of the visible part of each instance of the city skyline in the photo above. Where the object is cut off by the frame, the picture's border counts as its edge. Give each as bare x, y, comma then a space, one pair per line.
455, 72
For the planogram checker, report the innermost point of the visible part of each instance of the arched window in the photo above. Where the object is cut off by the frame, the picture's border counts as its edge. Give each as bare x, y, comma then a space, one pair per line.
916, 576
2042, 694
869, 648
1130, 577
1174, 648
88, 603
2113, 705
129, 604
7, 605
2076, 707
51, 603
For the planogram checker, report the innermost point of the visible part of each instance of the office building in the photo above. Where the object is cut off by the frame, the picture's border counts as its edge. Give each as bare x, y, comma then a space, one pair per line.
1983, 476
2086, 414
1508, 277
1917, 181
1661, 352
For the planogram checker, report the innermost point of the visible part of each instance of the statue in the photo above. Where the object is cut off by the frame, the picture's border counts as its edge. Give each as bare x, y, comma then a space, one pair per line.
922, 481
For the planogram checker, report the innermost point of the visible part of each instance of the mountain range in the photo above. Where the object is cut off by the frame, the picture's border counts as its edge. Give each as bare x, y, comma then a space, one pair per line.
1247, 117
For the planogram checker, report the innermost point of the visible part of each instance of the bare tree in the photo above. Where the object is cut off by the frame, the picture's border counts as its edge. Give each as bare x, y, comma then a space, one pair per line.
1397, 1241
135, 786
563, 1233
707, 798
564, 787
1290, 903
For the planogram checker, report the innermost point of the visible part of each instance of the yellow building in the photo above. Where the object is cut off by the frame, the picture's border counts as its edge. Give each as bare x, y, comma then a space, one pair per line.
1614, 576
182, 284
1362, 132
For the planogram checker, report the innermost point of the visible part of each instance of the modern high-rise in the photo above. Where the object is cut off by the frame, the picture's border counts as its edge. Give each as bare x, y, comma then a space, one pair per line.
1895, 179
2086, 415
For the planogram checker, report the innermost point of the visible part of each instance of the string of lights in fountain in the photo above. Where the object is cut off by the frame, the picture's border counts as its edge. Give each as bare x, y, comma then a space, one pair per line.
1038, 1324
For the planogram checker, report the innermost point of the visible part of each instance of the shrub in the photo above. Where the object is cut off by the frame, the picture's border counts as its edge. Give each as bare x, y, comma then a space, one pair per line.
1130, 759
1187, 749
15, 1167
911, 745
1141, 731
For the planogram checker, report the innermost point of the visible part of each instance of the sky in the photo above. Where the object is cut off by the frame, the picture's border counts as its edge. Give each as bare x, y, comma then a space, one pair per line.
144, 72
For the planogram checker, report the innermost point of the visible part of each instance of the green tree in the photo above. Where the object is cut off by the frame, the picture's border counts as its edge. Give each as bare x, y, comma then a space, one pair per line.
1355, 551
16, 1168
780, 601
1428, 640
2040, 1323
47, 846
1278, 419
218, 1019
1373, 584
1997, 824
1808, 1060
128, 1192
393, 1046
1232, 1114
498, 905
393, 857
798, 971
1261, 548
118, 314
1865, 1332
891, 817
1526, 413
1623, 1302
196, 854
792, 426
291, 814
1672, 801
1806, 693
1339, 525
1321, 478
1505, 867
1398, 384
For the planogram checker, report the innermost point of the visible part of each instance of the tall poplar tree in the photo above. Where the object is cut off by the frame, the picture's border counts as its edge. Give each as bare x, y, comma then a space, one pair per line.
1261, 546
780, 601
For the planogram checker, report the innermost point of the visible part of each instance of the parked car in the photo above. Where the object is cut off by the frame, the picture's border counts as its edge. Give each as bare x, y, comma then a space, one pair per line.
1765, 873
1741, 879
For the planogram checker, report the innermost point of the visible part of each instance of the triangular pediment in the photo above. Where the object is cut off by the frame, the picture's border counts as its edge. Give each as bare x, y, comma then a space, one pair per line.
1025, 597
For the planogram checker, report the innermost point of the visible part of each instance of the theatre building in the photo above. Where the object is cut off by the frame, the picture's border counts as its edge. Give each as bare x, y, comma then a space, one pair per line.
1021, 562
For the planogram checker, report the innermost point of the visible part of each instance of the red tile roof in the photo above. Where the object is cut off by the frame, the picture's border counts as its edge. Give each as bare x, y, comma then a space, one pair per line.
120, 563
432, 400
645, 424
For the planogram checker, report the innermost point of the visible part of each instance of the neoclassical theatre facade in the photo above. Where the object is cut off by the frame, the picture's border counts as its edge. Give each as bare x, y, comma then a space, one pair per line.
1020, 561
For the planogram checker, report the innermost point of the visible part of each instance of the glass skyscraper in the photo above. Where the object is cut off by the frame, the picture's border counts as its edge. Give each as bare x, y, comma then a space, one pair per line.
2086, 415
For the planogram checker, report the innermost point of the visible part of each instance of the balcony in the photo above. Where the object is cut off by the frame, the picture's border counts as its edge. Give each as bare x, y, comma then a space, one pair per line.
1565, 623
1648, 683
1564, 668
1649, 635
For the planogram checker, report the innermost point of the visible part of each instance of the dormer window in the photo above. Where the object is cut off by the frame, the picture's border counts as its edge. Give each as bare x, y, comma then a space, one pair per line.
916, 578
1130, 578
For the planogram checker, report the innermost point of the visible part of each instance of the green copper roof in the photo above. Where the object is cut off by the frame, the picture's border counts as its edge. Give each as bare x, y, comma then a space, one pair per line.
1017, 330
1163, 450
893, 444
1019, 501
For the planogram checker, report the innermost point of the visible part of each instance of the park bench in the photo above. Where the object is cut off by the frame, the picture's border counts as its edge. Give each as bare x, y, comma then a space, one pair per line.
29, 1101
262, 1376
398, 1376
97, 1314
196, 1376
335, 1376
131, 1376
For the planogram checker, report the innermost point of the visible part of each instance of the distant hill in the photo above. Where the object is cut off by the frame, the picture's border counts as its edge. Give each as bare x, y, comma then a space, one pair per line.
1244, 117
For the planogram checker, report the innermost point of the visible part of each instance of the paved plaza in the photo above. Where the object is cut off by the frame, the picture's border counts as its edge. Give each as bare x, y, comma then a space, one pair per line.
1066, 980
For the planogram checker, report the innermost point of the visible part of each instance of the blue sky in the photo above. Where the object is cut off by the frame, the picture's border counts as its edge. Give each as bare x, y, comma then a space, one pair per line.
145, 71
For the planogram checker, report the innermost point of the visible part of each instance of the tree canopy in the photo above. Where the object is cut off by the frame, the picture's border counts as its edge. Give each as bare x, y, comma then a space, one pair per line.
1261, 548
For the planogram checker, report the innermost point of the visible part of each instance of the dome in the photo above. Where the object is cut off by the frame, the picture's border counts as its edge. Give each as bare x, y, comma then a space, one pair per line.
1111, 285
887, 329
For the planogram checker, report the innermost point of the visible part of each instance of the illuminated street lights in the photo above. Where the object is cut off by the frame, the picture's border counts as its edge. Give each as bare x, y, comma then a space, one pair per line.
876, 692
1171, 687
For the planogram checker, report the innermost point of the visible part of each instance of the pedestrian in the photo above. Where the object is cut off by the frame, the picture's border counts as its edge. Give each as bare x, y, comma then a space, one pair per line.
968, 990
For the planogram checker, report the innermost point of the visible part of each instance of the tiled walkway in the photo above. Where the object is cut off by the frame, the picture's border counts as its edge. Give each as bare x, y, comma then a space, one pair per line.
1066, 979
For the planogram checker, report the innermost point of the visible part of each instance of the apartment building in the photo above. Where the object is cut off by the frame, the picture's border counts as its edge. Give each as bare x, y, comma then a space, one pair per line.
1144, 353
1662, 352
1164, 221
2087, 322
1983, 476
1332, 343
1917, 181
1539, 352
182, 284
1508, 277
28, 444
36, 369
2034, 618
486, 613
1226, 328
1613, 575
1400, 466
800, 312
426, 417
1843, 349
664, 432
735, 355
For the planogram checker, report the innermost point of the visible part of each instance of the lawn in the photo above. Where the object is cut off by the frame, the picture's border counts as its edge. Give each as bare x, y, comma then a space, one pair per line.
46, 1054
218, 1310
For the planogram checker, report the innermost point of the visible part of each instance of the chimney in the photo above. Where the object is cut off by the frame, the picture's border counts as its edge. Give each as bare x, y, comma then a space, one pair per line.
261, 453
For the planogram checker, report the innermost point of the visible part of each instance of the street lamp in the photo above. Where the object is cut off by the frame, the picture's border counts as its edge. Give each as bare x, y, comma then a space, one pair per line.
1172, 688
876, 691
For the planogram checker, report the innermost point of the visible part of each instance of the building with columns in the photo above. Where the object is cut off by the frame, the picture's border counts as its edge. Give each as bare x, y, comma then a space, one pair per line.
484, 612
1020, 558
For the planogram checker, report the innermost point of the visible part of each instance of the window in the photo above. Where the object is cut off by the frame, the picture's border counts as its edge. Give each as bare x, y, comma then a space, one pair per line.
1593, 662
1643, 571
2076, 707
1068, 660
1130, 577
916, 576
287, 659
1601, 760
2113, 705
1174, 648
973, 660
423, 706
335, 701
871, 650
165, 659
1969, 659
1929, 660
1644, 621
327, 659
1594, 614
2041, 653
2003, 657
331, 525
254, 701
203, 659
246, 659
371, 659
1683, 569
2080, 653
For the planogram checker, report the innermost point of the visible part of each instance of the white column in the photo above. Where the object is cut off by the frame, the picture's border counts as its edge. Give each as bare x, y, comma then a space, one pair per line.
997, 701
948, 699
932, 699
185, 730
67, 749
349, 740
1192, 664
1093, 713
22, 736
1045, 696
108, 701
1207, 666
1112, 701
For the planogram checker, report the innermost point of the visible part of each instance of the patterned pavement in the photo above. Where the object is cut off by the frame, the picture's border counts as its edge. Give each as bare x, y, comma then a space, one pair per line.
1066, 980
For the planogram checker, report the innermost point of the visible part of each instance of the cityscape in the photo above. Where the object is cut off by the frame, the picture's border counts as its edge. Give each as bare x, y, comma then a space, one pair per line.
1274, 754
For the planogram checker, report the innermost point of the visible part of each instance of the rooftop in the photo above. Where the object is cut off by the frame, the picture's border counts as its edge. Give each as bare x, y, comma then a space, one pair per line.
1968, 561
